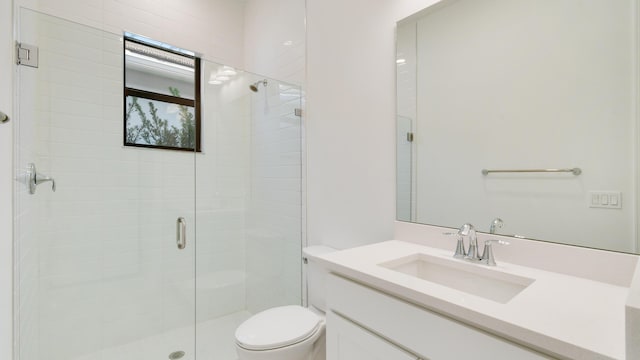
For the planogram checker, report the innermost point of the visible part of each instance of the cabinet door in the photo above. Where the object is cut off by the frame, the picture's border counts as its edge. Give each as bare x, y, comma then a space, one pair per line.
348, 341
422, 332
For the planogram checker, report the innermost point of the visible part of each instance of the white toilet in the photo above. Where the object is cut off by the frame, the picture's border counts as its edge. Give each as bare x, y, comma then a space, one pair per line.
289, 332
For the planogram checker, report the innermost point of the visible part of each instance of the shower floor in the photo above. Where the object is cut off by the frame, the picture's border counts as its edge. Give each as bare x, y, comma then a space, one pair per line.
215, 341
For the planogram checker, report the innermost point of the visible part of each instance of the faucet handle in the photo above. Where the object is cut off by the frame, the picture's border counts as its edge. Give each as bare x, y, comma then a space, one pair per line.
496, 223
460, 251
487, 254
36, 178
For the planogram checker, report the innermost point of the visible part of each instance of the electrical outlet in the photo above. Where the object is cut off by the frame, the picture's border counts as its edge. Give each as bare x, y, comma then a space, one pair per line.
605, 199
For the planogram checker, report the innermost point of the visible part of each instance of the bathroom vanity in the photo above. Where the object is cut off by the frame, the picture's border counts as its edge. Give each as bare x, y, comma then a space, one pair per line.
368, 324
410, 299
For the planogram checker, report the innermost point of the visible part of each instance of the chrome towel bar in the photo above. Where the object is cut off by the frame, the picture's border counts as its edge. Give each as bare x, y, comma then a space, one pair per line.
575, 171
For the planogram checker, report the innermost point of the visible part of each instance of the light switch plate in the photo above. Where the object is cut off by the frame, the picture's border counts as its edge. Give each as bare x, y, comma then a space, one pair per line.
605, 199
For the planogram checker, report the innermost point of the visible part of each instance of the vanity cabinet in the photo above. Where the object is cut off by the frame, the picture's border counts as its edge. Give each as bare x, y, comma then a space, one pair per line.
348, 341
363, 323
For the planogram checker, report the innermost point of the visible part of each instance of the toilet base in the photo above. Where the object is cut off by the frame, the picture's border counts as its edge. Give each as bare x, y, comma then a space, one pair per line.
312, 348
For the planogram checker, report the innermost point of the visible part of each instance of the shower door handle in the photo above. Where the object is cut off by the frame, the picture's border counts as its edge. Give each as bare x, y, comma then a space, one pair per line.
181, 233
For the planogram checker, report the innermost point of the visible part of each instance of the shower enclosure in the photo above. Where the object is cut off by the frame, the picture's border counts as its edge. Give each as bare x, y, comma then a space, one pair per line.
100, 270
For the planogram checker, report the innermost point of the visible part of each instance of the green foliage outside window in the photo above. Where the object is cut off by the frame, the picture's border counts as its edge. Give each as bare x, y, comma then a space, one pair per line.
154, 130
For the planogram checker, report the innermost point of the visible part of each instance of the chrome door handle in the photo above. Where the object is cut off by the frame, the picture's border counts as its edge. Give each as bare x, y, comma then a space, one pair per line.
181, 233
3, 117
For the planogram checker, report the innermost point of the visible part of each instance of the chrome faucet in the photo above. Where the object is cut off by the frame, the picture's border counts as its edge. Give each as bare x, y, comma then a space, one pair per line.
472, 254
496, 223
487, 254
470, 231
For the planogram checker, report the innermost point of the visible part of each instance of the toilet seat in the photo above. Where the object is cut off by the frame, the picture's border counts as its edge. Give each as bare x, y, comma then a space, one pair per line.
277, 327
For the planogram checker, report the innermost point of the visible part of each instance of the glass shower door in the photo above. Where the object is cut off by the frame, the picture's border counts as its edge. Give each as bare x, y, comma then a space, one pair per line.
249, 203
100, 274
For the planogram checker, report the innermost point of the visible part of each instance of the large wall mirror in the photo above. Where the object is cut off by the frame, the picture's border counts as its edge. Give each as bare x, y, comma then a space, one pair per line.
521, 86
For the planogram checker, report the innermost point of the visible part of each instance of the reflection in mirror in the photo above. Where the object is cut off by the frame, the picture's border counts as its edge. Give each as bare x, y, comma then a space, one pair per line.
521, 85
404, 184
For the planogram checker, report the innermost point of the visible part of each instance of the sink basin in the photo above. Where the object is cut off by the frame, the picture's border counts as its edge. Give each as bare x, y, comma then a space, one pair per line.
470, 278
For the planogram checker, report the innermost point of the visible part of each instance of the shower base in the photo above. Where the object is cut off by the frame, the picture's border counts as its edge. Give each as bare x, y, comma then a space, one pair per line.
215, 341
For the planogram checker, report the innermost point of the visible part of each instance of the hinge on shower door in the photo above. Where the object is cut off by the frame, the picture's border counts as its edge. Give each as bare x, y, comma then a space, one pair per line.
26, 55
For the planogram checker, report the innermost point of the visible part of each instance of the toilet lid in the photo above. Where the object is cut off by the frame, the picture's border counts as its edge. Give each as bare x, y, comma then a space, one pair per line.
277, 327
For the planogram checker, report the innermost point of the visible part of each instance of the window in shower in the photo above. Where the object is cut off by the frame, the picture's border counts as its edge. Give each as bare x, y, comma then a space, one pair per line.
161, 95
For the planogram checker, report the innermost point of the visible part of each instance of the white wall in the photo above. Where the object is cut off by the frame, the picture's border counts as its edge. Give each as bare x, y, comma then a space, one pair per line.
274, 41
351, 119
6, 171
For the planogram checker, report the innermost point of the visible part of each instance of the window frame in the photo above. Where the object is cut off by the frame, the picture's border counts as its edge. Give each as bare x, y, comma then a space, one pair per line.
149, 95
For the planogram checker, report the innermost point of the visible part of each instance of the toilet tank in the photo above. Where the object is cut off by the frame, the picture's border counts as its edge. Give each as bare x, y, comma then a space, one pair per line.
316, 275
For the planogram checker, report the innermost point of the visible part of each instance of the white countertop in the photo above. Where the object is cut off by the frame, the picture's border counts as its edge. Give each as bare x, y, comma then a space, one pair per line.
558, 314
